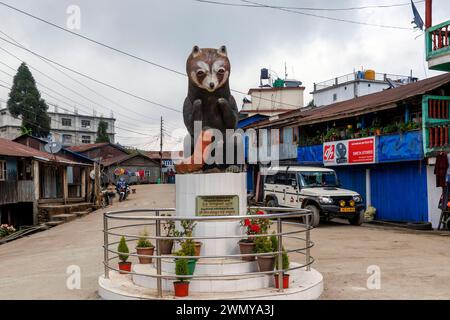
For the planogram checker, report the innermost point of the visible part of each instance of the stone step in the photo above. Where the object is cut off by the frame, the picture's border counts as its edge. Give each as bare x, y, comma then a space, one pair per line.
54, 223
82, 213
64, 217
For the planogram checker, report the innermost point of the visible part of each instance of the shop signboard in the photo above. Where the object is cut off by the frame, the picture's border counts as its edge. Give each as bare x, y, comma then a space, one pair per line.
348, 152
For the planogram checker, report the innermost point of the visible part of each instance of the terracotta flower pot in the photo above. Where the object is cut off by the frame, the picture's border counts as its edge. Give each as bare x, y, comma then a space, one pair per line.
266, 263
124, 266
166, 246
198, 247
285, 281
146, 251
181, 288
247, 247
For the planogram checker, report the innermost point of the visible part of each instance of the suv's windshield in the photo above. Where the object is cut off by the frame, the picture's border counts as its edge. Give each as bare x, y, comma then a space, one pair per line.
318, 179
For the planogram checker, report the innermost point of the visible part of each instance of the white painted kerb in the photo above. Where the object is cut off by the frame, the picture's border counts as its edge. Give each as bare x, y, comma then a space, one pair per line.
189, 186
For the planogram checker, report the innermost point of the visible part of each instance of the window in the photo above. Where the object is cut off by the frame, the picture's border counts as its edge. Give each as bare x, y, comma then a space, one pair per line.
147, 173
318, 179
66, 122
86, 139
67, 138
3, 129
334, 96
280, 178
85, 123
2, 170
3, 113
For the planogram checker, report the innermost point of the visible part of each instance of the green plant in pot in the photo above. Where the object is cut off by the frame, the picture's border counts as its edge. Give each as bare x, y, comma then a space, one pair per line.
188, 230
181, 285
285, 264
124, 265
144, 247
166, 245
265, 262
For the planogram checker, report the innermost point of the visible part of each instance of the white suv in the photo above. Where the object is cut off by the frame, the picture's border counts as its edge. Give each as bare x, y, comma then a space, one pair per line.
316, 189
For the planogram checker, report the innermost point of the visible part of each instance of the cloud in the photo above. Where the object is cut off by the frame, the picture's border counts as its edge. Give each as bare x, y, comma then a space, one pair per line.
165, 31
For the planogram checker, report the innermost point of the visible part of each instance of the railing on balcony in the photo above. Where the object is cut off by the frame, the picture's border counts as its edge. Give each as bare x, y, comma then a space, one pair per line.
438, 45
357, 75
436, 123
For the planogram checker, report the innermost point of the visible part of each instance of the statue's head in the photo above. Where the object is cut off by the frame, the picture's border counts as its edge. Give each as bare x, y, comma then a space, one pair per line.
208, 68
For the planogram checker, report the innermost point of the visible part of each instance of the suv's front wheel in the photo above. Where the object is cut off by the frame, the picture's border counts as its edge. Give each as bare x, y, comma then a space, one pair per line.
358, 219
315, 215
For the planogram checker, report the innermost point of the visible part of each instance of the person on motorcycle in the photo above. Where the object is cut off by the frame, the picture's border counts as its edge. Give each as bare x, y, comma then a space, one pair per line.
122, 184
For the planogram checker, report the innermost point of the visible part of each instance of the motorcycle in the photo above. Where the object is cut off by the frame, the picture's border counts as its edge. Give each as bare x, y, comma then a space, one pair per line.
123, 192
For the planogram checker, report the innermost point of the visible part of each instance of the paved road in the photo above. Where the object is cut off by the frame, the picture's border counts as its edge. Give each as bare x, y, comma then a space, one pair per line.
413, 266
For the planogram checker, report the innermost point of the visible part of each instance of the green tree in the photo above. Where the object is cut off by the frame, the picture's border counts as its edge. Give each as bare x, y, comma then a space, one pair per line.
102, 135
25, 100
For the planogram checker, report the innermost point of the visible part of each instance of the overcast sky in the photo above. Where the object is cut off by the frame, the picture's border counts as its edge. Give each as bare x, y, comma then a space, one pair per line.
164, 31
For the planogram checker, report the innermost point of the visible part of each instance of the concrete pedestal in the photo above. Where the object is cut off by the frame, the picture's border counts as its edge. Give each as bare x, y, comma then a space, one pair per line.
189, 186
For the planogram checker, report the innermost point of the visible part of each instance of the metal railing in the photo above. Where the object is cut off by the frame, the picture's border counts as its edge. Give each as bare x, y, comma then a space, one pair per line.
157, 220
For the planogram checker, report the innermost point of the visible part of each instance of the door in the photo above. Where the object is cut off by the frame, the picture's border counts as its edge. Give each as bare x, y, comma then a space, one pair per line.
291, 193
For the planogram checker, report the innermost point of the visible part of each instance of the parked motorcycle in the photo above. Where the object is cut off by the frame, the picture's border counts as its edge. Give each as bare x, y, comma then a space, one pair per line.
124, 192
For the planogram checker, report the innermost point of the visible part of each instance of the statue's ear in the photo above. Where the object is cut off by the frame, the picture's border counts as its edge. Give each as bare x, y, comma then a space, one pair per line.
196, 51
222, 50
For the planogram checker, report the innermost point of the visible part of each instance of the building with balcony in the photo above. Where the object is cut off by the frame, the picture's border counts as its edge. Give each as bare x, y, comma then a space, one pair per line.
69, 129
354, 85
405, 129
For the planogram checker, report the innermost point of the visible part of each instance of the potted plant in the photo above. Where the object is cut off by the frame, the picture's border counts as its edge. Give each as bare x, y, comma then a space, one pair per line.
144, 247
181, 286
265, 262
166, 245
124, 265
188, 227
285, 264
252, 227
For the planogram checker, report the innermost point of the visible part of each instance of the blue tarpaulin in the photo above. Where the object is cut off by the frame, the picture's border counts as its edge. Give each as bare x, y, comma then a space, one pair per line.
310, 154
400, 147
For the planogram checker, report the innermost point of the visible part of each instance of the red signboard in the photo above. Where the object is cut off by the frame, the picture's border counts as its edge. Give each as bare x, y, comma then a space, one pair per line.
361, 150
345, 152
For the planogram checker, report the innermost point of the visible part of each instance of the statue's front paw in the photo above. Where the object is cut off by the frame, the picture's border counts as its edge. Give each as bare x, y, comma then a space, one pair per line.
222, 102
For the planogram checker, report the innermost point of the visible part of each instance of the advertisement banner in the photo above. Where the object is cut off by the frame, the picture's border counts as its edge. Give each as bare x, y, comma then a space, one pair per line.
347, 152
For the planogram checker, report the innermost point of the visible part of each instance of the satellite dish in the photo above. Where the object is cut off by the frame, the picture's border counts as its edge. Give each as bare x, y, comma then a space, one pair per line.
53, 147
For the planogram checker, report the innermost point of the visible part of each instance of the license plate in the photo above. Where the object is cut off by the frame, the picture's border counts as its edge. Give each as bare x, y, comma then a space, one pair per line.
347, 210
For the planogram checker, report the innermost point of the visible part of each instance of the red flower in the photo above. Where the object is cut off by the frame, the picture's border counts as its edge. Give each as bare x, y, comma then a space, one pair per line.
255, 228
247, 222
260, 212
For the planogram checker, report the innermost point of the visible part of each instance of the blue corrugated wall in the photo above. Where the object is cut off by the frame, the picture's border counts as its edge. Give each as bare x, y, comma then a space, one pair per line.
399, 191
353, 178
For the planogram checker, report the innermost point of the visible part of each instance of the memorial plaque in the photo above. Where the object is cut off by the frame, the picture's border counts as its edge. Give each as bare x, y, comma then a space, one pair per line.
217, 205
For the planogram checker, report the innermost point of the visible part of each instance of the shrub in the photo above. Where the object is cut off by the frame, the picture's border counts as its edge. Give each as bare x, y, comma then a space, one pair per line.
143, 242
181, 267
263, 245
285, 257
6, 230
188, 248
123, 250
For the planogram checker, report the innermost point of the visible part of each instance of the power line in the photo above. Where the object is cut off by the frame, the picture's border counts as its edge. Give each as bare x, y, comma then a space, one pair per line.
91, 78
91, 40
116, 50
73, 79
62, 108
327, 18
309, 8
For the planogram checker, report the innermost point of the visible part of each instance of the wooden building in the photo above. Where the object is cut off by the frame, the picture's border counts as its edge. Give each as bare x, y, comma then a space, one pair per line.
31, 180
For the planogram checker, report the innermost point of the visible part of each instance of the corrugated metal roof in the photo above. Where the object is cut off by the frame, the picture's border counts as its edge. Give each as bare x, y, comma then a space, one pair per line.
372, 102
122, 158
14, 149
86, 147
165, 154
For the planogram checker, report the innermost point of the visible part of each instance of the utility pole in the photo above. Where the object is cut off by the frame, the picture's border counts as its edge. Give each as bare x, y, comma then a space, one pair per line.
428, 13
161, 152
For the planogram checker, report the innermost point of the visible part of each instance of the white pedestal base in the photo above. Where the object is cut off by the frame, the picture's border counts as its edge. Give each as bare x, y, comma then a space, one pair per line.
189, 186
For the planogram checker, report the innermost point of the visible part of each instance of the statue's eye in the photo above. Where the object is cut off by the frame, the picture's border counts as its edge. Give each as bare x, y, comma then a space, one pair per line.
200, 73
221, 71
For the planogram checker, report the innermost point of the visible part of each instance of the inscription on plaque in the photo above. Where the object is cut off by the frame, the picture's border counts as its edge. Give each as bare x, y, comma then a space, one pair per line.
217, 205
